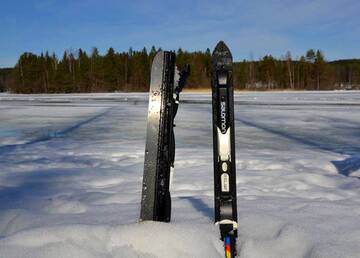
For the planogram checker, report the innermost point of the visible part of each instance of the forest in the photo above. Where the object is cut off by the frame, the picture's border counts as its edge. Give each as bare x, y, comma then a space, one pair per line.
78, 72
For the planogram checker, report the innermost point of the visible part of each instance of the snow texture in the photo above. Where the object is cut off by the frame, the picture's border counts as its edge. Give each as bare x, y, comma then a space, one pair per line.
71, 171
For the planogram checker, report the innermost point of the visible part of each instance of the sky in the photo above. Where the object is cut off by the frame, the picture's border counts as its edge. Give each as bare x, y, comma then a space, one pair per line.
251, 28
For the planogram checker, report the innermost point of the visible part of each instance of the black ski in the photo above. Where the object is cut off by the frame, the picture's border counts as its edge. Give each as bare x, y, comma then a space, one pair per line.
165, 87
224, 147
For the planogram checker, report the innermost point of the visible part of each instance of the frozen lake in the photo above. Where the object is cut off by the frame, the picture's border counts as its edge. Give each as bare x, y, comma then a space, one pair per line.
71, 172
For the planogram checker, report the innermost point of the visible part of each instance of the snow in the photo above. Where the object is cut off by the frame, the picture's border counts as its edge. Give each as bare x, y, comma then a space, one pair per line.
71, 171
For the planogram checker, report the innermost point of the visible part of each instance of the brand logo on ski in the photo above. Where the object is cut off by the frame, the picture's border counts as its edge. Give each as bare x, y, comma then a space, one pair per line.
223, 116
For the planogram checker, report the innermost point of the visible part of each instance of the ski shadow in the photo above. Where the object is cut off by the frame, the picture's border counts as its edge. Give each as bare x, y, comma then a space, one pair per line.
344, 167
200, 206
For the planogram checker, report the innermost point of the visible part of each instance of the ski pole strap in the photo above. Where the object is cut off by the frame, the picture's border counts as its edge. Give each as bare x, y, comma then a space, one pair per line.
228, 231
229, 244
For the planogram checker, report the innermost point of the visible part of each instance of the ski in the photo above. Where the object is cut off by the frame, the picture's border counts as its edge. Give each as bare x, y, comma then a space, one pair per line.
224, 147
165, 87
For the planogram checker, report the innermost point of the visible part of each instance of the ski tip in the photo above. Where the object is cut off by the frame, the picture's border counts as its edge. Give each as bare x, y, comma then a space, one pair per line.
221, 47
157, 61
159, 55
222, 55
222, 52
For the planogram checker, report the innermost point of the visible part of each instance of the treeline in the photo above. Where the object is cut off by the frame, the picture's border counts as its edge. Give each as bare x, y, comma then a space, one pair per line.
79, 71
309, 72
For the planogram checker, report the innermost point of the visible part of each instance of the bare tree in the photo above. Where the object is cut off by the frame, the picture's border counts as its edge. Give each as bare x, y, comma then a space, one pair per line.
290, 69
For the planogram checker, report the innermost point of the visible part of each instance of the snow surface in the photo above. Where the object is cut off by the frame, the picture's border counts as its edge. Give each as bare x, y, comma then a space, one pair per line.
71, 172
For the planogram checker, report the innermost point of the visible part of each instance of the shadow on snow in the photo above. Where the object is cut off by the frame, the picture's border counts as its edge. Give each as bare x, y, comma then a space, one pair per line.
200, 206
51, 135
344, 167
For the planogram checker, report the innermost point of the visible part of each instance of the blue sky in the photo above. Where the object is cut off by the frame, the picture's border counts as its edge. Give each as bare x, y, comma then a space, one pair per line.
251, 28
